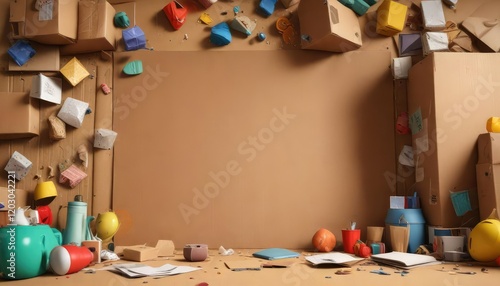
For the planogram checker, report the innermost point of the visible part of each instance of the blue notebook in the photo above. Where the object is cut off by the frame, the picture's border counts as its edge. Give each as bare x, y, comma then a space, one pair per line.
275, 253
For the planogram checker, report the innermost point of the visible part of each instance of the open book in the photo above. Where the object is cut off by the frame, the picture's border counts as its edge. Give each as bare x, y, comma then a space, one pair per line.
333, 259
404, 260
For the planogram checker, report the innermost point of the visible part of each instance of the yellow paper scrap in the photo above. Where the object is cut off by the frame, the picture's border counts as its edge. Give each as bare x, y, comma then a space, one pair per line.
205, 18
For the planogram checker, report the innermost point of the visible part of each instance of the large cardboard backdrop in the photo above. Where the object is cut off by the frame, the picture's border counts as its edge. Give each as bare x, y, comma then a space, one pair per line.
251, 149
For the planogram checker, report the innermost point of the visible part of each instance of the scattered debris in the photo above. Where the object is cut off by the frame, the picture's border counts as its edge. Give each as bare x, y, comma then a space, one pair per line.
57, 128
83, 154
205, 18
186, 36
105, 88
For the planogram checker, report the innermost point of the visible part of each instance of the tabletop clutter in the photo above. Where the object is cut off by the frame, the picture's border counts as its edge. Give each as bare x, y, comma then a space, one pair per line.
30, 247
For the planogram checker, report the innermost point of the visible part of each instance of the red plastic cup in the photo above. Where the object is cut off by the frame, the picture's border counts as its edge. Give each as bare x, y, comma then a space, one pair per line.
69, 259
349, 238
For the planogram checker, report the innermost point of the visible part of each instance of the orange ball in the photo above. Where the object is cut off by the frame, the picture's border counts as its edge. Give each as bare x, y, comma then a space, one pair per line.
324, 240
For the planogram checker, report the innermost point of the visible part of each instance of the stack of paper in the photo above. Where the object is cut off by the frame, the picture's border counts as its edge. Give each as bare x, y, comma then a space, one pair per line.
337, 258
404, 260
133, 270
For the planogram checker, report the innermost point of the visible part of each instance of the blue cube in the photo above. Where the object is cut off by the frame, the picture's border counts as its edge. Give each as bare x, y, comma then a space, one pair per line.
134, 38
21, 52
267, 7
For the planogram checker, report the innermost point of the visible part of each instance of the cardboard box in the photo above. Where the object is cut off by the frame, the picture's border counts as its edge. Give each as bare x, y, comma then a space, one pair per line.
488, 147
450, 98
22, 113
328, 26
53, 25
140, 253
391, 18
488, 188
96, 31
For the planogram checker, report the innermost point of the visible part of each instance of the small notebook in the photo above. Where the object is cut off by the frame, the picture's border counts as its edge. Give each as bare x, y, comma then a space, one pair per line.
404, 260
275, 253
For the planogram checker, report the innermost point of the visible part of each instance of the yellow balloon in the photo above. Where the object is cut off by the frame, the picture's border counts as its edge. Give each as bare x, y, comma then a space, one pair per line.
107, 225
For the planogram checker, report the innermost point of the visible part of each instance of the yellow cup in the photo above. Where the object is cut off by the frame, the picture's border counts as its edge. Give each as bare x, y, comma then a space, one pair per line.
44, 193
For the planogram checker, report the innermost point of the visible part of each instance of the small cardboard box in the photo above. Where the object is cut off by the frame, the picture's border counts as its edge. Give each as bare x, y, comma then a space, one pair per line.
96, 31
328, 26
391, 18
488, 145
22, 114
54, 23
140, 253
488, 188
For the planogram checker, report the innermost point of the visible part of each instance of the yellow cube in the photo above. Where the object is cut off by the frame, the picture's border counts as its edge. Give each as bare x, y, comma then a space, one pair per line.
74, 71
391, 18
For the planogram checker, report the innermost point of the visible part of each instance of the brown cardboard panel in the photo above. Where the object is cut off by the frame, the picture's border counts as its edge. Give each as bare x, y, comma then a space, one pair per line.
488, 188
47, 58
244, 148
450, 98
488, 148
96, 30
22, 112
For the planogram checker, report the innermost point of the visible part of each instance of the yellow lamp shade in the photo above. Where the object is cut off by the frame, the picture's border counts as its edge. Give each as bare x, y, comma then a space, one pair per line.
44, 193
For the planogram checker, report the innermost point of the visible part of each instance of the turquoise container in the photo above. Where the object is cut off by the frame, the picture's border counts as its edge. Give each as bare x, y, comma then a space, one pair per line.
407, 217
25, 250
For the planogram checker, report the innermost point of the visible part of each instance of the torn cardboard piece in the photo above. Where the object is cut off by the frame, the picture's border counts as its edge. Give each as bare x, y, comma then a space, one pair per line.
18, 164
243, 24
57, 128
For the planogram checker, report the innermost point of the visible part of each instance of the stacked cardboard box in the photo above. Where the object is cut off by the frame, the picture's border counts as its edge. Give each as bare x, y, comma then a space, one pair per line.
450, 98
488, 173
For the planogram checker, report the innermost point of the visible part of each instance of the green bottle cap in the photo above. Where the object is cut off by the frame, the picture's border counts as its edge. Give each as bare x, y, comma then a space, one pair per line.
133, 68
121, 20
